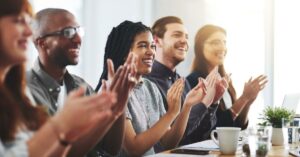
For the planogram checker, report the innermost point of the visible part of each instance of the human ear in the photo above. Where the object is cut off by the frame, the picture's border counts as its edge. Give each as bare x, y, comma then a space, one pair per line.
157, 41
40, 43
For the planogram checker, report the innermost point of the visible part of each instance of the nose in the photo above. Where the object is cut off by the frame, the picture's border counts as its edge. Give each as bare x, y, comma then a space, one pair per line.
150, 51
76, 38
27, 30
184, 40
222, 46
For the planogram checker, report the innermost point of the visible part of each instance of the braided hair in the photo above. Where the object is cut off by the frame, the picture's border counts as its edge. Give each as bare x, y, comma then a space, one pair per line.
118, 45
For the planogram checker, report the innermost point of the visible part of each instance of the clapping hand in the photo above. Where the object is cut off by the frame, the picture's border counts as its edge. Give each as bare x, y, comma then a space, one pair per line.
196, 95
174, 96
253, 87
221, 86
121, 82
81, 114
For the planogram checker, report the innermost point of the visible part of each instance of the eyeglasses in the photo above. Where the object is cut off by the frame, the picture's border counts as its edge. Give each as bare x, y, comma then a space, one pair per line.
216, 43
68, 32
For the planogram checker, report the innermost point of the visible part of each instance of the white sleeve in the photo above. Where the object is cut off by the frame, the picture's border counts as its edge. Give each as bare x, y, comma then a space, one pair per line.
17, 148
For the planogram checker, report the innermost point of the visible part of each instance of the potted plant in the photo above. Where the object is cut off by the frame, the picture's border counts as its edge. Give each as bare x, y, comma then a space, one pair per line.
277, 116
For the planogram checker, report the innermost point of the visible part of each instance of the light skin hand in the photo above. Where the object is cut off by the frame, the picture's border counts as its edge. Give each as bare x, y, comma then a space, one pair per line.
92, 109
221, 86
228, 78
210, 89
212, 74
196, 95
253, 87
174, 96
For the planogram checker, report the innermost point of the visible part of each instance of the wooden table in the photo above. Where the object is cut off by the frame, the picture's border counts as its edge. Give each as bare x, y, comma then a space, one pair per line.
275, 151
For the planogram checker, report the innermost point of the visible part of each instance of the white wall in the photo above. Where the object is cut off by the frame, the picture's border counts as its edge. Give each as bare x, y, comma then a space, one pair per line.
249, 25
100, 17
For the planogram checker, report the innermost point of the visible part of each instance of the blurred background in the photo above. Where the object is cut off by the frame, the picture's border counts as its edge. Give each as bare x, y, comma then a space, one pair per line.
262, 37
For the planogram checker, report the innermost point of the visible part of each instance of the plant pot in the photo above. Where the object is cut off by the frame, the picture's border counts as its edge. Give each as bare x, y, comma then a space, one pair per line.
279, 136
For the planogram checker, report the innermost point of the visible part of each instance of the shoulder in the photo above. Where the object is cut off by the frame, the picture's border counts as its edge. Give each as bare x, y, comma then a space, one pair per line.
153, 90
151, 85
152, 77
80, 81
35, 86
30, 76
192, 78
77, 78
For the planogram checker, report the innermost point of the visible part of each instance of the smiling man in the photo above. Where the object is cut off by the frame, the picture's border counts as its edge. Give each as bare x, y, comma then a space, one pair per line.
171, 39
57, 37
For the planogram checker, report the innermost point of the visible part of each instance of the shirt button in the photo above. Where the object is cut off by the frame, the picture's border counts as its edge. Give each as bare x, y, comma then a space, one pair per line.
57, 89
170, 78
211, 114
50, 89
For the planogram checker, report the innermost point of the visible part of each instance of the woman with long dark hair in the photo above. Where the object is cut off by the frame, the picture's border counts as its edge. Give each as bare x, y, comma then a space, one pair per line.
210, 52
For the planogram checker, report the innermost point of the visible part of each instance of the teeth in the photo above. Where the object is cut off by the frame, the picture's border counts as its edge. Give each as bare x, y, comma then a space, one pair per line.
181, 48
74, 49
148, 61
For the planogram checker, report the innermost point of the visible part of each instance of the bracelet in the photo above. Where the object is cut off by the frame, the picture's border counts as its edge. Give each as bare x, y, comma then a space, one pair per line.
60, 136
234, 113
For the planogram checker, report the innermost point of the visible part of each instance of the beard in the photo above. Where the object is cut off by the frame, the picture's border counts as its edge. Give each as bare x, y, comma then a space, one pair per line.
63, 58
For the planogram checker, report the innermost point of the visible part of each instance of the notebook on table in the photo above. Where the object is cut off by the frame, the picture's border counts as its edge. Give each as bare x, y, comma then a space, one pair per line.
291, 102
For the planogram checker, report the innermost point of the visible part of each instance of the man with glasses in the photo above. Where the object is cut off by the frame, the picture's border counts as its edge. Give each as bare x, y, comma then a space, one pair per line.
57, 37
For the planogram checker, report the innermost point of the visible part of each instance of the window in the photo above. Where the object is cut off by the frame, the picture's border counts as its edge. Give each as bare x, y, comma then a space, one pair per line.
286, 49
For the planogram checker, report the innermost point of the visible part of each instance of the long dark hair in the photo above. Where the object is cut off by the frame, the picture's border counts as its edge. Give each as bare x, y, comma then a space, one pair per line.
118, 44
200, 64
15, 107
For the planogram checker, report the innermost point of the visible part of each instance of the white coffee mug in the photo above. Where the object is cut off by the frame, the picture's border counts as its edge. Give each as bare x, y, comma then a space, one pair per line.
227, 139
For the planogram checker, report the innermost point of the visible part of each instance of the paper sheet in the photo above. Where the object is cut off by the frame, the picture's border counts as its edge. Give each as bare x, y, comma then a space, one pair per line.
204, 145
180, 155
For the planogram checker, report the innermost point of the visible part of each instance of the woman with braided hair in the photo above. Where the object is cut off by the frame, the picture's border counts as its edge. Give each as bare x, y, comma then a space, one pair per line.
148, 127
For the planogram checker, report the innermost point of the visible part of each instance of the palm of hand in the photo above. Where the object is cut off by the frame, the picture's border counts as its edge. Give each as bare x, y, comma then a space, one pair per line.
174, 95
221, 86
251, 90
95, 109
195, 96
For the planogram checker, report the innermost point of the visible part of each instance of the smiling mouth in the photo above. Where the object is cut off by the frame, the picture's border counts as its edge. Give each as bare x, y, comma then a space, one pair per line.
148, 62
74, 52
23, 44
182, 49
220, 55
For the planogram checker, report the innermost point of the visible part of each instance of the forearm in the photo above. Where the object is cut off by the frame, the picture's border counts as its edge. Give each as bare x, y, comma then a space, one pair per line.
196, 116
86, 143
41, 145
112, 141
140, 143
243, 116
239, 104
174, 135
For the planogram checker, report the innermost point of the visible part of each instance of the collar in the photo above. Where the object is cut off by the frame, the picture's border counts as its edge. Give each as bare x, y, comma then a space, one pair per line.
49, 82
160, 70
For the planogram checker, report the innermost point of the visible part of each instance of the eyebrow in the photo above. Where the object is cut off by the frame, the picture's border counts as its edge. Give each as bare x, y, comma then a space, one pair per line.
180, 32
145, 42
